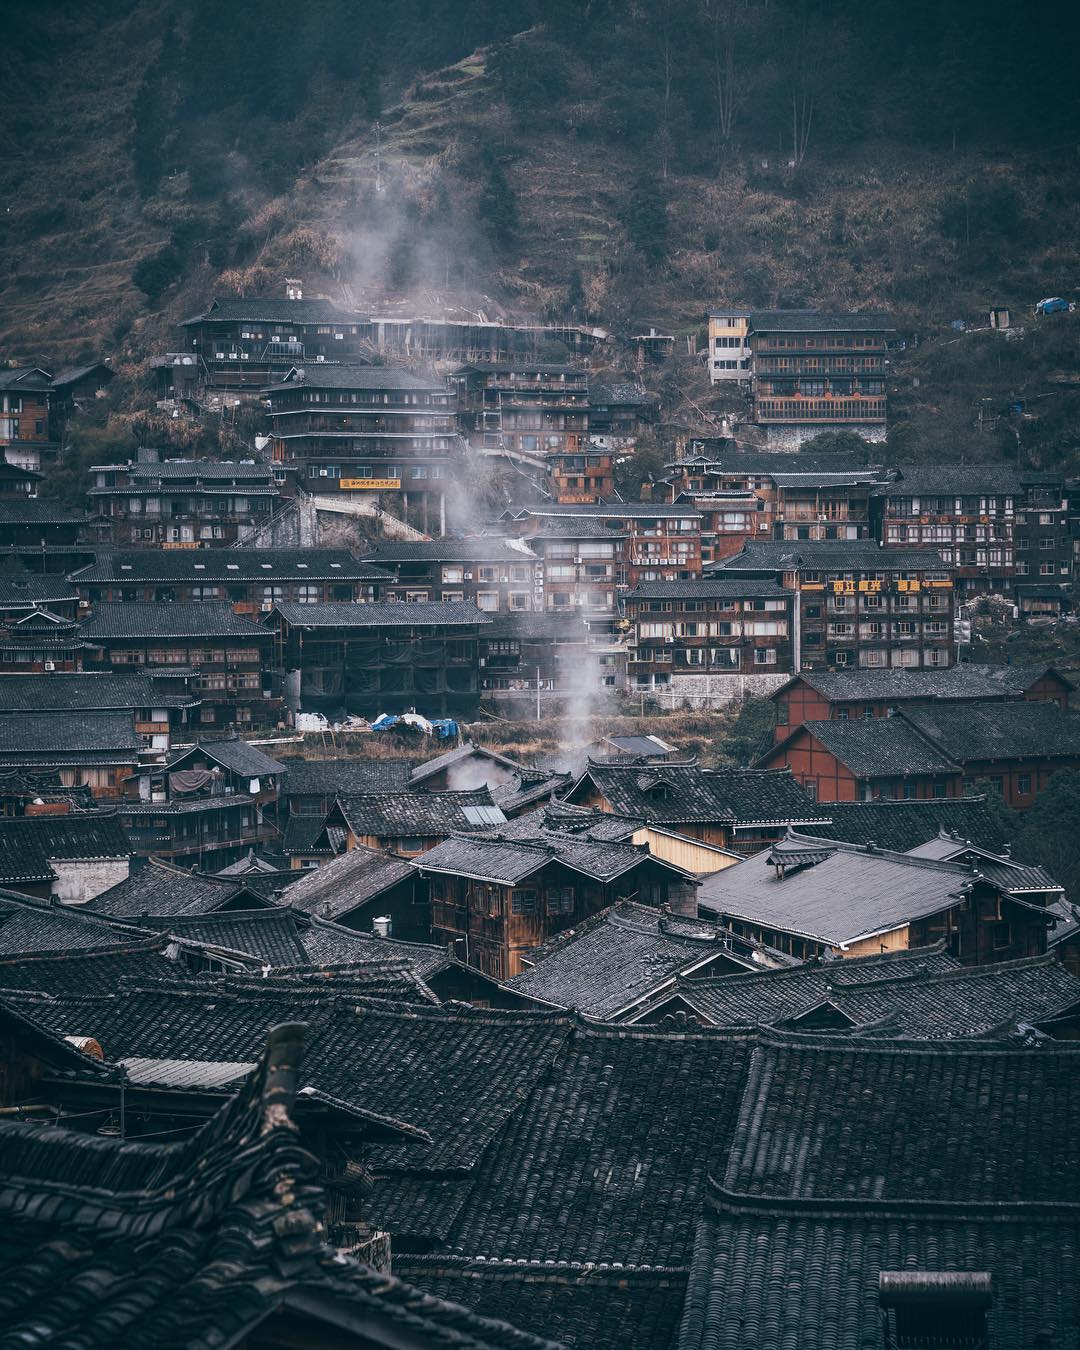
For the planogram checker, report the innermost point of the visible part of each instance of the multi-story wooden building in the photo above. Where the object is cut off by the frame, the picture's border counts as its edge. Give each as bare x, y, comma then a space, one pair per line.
364, 429
25, 436
737, 809
861, 695
859, 605
44, 536
709, 641
499, 576
582, 559
1043, 545
194, 503
966, 512
660, 541
386, 657
531, 409
499, 896
618, 415
812, 370
246, 343
251, 580
813, 897
226, 659
934, 750
729, 345
581, 477
743, 496
98, 750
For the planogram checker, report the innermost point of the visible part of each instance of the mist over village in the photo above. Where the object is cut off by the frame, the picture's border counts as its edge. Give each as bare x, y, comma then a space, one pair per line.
539, 646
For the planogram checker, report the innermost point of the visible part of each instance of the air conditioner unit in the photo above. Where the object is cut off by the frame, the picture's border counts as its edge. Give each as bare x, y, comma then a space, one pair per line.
84, 604
50, 665
267, 606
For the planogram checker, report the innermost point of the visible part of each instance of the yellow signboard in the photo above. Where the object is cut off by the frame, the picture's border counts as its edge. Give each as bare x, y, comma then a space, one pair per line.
903, 585
370, 484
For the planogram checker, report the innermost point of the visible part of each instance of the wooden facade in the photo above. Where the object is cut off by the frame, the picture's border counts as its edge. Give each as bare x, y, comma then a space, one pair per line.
493, 923
819, 369
531, 409
827, 779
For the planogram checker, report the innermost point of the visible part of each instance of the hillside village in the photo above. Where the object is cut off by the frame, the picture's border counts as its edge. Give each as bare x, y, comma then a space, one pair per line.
524, 827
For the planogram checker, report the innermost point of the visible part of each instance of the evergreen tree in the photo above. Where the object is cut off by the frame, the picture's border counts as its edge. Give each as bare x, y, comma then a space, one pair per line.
646, 219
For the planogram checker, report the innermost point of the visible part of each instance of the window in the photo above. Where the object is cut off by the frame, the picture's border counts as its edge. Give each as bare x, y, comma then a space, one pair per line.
1002, 936
909, 790
1023, 784
939, 788
764, 656
453, 574
307, 595
523, 902
487, 601
560, 900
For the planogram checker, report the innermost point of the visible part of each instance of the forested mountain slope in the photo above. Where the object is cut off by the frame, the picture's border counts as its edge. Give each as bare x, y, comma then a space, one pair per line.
625, 163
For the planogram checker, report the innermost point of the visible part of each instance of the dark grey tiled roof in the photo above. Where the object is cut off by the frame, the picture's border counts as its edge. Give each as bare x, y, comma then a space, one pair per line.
479, 754
84, 692
817, 321
481, 548
39, 511
959, 480
569, 527
523, 367
394, 613
26, 377
269, 934
159, 888
347, 882
620, 957
880, 747
332, 944
204, 1240
851, 895
910, 994
29, 843
238, 756
499, 858
991, 731
45, 733
613, 1152
771, 997
900, 825
29, 925
227, 565
954, 682
323, 375
205, 470
308, 834
92, 970
730, 460
255, 310
852, 555
616, 1309
936, 1123
710, 588
397, 814
340, 777
611, 511
138, 619
673, 792
24, 592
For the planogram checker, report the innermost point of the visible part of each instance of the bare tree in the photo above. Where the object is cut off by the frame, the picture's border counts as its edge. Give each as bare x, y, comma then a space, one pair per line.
801, 86
722, 20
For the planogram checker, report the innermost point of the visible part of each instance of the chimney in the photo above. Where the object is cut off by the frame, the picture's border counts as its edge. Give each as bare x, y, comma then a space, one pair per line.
294, 288
382, 927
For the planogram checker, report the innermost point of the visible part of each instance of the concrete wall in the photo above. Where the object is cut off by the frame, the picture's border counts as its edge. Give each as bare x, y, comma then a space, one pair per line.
791, 437
77, 881
712, 691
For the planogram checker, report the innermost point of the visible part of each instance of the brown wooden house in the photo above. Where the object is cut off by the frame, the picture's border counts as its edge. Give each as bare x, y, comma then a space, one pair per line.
500, 895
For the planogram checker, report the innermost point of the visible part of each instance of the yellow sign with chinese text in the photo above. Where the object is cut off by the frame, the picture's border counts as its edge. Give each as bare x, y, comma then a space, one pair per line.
370, 484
